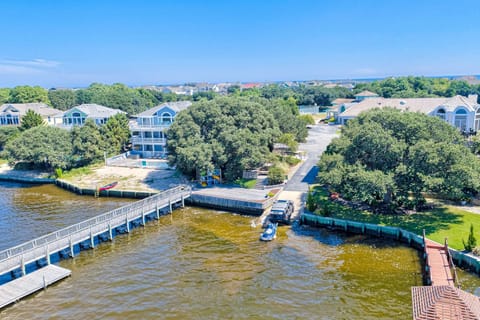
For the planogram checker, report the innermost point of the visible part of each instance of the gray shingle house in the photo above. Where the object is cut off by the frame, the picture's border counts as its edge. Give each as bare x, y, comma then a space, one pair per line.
12, 113
460, 112
77, 115
149, 129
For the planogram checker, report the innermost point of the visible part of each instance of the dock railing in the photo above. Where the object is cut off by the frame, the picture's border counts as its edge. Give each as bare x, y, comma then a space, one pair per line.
456, 281
20, 255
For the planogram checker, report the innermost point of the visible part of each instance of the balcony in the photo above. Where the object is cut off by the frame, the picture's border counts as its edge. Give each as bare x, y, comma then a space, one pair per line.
149, 127
140, 140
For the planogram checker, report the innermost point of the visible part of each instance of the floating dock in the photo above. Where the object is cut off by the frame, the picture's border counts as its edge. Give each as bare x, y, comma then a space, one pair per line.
17, 289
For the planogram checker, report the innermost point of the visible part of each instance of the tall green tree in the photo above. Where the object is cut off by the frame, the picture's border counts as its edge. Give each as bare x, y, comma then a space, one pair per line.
4, 95
390, 157
230, 133
116, 133
31, 119
46, 147
7, 133
62, 99
27, 94
88, 143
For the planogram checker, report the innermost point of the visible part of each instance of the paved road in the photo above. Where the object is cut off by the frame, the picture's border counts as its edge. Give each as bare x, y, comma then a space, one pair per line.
317, 141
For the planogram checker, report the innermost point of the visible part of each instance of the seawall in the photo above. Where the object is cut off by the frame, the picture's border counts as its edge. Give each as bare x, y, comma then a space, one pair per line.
103, 193
414, 240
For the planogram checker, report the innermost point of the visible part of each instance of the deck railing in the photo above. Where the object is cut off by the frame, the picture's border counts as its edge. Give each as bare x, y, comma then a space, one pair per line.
60, 239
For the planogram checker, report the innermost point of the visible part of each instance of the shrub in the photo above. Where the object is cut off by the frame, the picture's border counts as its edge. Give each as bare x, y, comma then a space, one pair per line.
58, 172
291, 160
276, 175
311, 203
472, 241
246, 183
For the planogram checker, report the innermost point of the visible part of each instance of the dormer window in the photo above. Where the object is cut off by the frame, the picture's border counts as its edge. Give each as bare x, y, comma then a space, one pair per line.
166, 118
441, 114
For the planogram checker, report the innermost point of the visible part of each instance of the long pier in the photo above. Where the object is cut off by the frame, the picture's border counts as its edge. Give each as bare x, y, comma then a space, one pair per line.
26, 257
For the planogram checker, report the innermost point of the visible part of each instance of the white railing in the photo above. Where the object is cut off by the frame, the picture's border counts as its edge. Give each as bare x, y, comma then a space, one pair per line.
140, 140
149, 127
19, 256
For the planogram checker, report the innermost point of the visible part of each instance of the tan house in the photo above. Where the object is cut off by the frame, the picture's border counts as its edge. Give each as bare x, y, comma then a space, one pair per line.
11, 114
461, 112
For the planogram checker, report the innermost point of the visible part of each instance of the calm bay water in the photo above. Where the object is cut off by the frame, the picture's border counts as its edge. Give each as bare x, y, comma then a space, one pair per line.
204, 264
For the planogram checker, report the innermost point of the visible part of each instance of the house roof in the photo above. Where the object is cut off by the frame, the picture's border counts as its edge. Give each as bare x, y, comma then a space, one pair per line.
250, 85
444, 302
424, 105
366, 93
22, 108
96, 111
339, 101
175, 106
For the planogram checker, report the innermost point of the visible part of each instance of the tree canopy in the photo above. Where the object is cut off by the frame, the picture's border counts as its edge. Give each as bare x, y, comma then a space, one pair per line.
44, 146
229, 133
62, 99
387, 157
27, 94
418, 87
53, 147
31, 119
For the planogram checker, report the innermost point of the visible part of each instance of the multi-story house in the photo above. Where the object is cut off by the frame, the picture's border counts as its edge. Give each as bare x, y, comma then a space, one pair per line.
77, 115
149, 130
12, 113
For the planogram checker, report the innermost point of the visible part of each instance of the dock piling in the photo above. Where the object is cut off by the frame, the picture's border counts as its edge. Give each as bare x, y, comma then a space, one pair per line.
47, 254
23, 266
72, 254
92, 239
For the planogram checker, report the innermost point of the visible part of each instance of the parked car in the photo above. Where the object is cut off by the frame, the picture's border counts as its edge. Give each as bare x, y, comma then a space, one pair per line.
281, 212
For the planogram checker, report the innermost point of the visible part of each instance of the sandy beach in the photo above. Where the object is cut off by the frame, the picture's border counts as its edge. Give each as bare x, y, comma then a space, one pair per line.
138, 179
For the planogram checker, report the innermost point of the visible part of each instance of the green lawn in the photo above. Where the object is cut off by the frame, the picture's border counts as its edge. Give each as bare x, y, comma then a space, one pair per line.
440, 222
3, 161
73, 173
246, 183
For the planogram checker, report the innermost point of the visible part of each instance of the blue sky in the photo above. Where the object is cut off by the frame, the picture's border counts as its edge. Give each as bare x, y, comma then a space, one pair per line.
74, 43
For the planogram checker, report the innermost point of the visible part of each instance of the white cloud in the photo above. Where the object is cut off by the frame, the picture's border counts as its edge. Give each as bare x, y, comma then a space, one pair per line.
25, 67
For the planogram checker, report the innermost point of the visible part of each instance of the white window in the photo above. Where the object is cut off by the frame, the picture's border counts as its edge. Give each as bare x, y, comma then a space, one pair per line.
441, 114
461, 119
166, 118
477, 120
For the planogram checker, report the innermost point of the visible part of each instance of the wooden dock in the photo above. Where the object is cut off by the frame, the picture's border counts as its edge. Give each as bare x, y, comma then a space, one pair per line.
439, 264
17, 289
89, 232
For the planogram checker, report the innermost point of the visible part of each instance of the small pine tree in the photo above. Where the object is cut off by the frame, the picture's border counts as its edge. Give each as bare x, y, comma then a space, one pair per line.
31, 119
471, 242
311, 204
